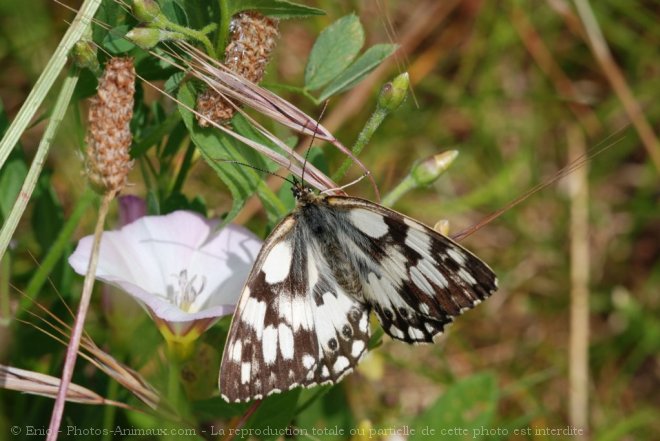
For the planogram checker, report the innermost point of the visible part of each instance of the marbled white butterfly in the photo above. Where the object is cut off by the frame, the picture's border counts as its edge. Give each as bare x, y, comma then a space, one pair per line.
303, 316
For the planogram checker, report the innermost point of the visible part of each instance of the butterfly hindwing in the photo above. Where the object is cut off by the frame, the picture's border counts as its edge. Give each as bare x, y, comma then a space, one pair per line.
415, 279
294, 324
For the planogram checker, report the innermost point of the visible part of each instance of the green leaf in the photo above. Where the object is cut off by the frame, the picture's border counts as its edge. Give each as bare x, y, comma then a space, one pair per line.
273, 205
11, 179
367, 62
329, 412
212, 407
216, 147
153, 135
175, 11
334, 50
114, 41
274, 413
469, 405
173, 82
46, 206
274, 8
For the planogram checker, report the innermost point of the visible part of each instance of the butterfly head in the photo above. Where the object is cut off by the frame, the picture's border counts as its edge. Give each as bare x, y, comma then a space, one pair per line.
303, 193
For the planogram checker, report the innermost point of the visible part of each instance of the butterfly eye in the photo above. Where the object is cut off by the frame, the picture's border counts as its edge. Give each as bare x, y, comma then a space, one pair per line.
403, 312
332, 344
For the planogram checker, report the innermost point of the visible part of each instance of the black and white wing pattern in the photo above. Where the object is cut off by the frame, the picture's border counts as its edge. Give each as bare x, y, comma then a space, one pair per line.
294, 324
415, 279
303, 316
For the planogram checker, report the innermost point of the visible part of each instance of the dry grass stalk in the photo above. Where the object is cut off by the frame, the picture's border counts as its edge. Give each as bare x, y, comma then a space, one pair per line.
252, 40
35, 383
105, 362
580, 258
228, 84
617, 80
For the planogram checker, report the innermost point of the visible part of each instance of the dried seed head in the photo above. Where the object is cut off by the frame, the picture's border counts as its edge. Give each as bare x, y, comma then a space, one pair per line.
109, 136
253, 37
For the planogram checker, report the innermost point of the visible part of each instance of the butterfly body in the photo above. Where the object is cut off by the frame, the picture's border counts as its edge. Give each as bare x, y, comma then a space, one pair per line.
303, 316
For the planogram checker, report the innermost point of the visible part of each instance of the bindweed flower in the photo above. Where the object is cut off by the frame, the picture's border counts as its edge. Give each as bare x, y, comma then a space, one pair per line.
182, 272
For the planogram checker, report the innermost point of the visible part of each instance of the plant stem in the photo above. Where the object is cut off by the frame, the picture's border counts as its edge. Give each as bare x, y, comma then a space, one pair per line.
32, 177
368, 130
578, 392
76, 333
5, 310
56, 250
184, 169
613, 73
223, 28
173, 381
47, 78
109, 412
191, 33
407, 184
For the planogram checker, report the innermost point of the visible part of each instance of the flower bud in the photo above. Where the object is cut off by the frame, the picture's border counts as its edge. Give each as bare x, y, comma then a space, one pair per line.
393, 93
146, 10
146, 38
426, 172
442, 227
84, 55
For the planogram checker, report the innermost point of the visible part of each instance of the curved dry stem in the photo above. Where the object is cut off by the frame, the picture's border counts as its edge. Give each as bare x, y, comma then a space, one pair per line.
76, 334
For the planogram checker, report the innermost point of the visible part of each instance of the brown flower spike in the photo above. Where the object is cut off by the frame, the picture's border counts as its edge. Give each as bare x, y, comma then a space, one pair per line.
253, 37
109, 137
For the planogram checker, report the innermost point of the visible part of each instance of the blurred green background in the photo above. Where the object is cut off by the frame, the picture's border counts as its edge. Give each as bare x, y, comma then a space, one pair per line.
516, 89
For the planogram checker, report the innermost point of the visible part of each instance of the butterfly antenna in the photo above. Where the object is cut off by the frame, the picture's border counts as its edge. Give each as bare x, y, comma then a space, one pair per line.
570, 168
353, 182
231, 161
309, 149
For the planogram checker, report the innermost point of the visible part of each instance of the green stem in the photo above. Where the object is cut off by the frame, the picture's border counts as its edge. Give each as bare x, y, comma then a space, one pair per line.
5, 312
32, 177
57, 249
109, 412
363, 138
192, 33
311, 97
173, 385
46, 79
402, 188
185, 168
223, 27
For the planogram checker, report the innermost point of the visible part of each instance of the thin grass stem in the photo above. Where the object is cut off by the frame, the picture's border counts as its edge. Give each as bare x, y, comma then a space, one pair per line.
47, 78
32, 177
76, 333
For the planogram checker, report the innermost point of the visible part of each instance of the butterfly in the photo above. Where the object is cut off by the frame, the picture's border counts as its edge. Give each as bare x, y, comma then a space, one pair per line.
303, 316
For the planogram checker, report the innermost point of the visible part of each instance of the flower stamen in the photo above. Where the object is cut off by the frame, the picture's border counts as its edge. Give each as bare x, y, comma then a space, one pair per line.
185, 296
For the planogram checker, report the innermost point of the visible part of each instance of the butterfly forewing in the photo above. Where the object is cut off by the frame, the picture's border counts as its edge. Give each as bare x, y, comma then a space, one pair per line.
294, 325
303, 316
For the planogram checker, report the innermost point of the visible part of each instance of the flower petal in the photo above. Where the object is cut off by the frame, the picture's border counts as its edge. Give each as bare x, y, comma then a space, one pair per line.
146, 259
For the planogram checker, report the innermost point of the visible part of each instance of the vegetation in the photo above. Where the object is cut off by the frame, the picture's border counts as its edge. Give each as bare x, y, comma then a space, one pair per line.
567, 346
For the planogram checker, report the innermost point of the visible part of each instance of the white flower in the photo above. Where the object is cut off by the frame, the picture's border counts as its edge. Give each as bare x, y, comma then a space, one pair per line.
185, 275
